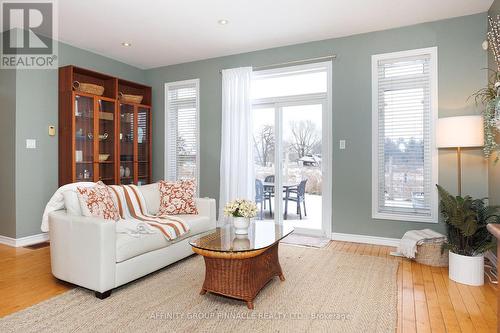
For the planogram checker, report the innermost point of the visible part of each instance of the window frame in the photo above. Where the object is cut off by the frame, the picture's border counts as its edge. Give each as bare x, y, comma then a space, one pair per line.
169, 85
433, 72
314, 67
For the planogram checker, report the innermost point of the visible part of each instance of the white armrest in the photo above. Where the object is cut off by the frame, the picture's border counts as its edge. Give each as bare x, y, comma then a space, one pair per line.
83, 250
206, 207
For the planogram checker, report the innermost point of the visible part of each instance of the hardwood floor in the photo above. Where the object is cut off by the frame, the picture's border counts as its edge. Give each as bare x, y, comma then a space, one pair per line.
430, 302
427, 300
25, 278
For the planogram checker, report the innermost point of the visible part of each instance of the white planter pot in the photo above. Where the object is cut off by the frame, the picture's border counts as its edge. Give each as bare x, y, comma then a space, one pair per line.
466, 270
241, 225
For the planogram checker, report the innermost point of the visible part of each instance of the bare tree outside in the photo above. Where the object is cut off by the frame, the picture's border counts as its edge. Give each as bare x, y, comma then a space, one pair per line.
186, 158
264, 144
305, 138
299, 163
181, 145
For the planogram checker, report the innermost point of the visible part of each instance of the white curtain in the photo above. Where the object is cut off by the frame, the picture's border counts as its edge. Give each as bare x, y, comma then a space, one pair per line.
237, 179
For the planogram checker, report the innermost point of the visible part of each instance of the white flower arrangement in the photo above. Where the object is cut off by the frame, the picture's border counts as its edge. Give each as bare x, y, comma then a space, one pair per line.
240, 208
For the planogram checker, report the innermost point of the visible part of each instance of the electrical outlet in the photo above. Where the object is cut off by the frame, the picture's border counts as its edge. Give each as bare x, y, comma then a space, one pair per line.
342, 144
30, 144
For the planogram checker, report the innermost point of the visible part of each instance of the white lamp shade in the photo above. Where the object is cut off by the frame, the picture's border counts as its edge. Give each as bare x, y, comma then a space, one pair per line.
464, 131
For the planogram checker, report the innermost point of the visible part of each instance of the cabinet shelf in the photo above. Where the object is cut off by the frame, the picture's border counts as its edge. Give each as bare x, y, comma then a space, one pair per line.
82, 117
107, 178
83, 138
78, 179
78, 117
100, 162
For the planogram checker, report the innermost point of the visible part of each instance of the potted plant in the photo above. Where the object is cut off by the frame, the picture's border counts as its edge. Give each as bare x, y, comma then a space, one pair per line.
466, 219
489, 98
242, 211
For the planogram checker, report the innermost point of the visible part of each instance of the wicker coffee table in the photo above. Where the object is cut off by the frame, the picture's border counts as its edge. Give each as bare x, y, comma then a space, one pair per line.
239, 266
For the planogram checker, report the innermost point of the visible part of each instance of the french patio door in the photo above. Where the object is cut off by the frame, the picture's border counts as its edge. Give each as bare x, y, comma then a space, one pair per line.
293, 162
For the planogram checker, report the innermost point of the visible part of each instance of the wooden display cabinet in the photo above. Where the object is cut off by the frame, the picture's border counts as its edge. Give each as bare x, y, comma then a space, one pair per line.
99, 137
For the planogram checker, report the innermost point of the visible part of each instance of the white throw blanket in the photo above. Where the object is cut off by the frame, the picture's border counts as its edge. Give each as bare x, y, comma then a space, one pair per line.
132, 206
134, 228
408, 244
57, 201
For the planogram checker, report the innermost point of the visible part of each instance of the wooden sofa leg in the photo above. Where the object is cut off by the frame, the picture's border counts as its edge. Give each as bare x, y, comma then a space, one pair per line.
103, 295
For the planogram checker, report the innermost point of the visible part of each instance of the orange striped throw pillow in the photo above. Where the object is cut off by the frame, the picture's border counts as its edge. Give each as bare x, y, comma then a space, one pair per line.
177, 197
96, 201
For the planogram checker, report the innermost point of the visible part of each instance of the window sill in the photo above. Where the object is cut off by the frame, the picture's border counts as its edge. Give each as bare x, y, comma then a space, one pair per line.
405, 218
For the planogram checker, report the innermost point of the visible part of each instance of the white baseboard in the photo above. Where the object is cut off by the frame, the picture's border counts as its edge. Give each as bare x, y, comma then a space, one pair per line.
24, 241
353, 238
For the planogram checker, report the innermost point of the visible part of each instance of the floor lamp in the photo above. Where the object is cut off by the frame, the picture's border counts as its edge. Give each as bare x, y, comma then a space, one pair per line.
460, 132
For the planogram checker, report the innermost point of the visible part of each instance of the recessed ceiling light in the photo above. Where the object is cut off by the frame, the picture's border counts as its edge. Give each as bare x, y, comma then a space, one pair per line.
126, 44
223, 22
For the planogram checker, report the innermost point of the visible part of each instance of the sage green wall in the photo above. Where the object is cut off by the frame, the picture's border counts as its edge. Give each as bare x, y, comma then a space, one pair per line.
460, 61
494, 169
7, 147
37, 108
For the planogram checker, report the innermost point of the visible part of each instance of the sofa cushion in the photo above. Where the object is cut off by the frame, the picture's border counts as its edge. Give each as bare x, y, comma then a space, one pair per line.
151, 194
197, 224
128, 246
177, 198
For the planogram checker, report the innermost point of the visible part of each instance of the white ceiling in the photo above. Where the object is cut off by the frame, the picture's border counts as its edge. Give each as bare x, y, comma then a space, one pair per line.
176, 31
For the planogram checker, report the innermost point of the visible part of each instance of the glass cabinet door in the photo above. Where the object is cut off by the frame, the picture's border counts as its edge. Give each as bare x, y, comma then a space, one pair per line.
106, 139
143, 138
126, 144
84, 138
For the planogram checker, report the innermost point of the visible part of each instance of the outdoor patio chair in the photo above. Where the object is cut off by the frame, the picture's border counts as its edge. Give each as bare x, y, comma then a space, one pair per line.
261, 196
298, 195
269, 189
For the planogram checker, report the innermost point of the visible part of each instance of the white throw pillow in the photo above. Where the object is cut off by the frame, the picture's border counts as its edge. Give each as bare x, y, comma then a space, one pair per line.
151, 194
72, 203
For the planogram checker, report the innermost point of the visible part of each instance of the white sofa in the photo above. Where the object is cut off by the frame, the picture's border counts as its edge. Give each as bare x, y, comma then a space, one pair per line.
90, 253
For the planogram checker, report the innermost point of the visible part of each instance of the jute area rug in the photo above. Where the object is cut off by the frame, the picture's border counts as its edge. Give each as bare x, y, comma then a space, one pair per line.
324, 291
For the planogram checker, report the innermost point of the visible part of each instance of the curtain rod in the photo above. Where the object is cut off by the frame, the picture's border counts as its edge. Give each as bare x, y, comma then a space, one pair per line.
333, 56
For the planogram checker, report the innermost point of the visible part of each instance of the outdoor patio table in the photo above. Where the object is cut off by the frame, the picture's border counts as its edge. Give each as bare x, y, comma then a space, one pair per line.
286, 187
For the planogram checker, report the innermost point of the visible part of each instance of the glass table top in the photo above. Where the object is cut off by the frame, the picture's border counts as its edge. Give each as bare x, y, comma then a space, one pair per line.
261, 234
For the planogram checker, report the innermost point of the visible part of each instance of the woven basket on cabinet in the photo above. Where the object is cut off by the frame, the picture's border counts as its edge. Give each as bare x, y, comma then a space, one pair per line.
126, 98
88, 88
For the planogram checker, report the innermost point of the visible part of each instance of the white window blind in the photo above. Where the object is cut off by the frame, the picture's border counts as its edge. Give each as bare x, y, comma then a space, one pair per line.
182, 132
404, 162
